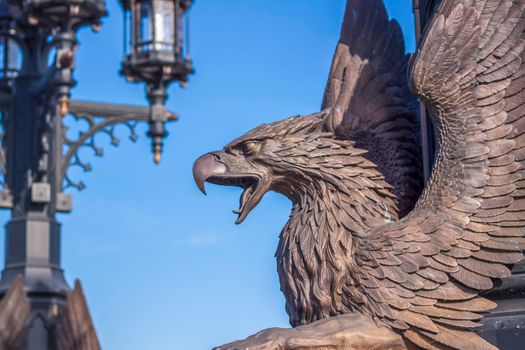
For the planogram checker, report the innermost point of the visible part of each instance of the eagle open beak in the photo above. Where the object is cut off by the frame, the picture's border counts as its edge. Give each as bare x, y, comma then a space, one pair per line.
204, 168
208, 169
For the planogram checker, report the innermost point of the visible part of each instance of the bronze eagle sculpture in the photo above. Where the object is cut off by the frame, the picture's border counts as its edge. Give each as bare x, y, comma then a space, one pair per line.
366, 261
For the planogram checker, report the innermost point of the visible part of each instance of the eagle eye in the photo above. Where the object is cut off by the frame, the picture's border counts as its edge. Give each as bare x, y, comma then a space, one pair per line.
249, 147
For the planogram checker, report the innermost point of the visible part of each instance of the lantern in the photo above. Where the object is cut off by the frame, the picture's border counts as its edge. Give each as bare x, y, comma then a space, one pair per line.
156, 53
10, 52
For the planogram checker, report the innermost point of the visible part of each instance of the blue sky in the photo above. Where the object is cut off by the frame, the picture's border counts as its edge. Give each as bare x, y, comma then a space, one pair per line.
163, 266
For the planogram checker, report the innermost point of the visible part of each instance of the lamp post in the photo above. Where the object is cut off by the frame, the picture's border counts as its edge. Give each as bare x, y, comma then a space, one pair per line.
37, 50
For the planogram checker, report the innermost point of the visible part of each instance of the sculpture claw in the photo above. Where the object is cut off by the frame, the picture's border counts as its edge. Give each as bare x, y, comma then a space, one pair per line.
348, 332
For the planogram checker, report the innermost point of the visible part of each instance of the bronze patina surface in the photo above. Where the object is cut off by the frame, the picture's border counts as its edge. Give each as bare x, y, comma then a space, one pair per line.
75, 328
14, 312
348, 266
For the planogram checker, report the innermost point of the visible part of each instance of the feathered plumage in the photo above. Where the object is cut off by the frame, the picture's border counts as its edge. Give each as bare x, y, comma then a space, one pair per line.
14, 313
75, 329
344, 249
369, 99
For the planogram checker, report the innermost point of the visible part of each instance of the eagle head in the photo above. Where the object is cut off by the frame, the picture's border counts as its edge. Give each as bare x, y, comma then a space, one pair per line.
293, 156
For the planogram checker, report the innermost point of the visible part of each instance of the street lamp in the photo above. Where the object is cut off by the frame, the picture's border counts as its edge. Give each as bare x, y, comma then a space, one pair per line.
156, 54
10, 58
37, 50
10, 54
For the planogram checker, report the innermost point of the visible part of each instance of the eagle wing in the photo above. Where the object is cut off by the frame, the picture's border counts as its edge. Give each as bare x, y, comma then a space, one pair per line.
14, 312
423, 275
370, 102
76, 330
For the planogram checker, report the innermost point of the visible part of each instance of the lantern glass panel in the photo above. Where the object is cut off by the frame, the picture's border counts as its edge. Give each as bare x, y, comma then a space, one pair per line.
155, 26
164, 23
144, 33
10, 58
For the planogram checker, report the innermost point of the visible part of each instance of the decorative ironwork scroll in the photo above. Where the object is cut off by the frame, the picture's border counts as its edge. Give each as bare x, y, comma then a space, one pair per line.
101, 118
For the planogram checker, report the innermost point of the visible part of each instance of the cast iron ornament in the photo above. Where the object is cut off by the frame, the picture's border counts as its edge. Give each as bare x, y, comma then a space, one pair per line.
354, 276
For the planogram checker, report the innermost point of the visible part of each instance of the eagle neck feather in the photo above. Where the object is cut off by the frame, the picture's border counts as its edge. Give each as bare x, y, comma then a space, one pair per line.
315, 252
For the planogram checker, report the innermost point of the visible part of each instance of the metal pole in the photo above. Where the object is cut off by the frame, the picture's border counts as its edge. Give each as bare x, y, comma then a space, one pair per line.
33, 147
38, 154
32, 247
428, 142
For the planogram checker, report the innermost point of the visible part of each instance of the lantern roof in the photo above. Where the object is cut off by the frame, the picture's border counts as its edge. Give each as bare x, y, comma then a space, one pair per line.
55, 12
8, 11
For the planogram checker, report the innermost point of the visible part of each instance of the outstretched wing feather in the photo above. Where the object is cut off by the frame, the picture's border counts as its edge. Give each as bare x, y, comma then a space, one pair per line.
469, 222
368, 95
76, 331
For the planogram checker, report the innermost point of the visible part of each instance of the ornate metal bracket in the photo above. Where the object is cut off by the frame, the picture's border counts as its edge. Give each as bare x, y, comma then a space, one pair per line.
101, 117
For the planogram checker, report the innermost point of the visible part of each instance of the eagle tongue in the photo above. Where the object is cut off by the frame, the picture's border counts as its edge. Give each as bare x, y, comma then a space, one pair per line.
243, 199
